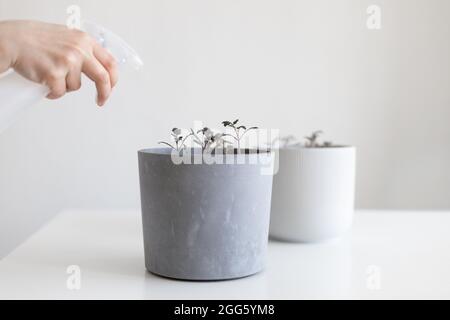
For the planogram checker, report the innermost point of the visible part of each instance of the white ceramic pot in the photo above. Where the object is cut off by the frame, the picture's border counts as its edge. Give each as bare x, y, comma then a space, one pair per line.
313, 193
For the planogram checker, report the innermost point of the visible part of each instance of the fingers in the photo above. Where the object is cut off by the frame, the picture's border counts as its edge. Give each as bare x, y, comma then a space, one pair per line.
73, 80
82, 54
95, 71
57, 87
108, 62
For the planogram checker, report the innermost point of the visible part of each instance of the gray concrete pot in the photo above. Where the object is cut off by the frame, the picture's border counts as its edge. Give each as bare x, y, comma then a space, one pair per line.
205, 221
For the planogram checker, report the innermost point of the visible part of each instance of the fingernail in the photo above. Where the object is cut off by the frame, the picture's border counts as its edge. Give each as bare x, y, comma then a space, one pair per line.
99, 103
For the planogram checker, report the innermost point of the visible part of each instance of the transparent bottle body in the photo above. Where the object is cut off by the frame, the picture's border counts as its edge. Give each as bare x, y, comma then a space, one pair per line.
17, 94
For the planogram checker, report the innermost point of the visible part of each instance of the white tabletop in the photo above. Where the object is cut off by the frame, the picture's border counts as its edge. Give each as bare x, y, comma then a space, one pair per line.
386, 255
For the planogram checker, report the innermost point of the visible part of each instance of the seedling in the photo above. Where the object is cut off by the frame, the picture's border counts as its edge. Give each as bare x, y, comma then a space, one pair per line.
179, 140
238, 130
207, 139
312, 141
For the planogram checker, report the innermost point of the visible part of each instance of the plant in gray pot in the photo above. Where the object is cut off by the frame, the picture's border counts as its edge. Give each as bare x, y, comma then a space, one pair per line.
313, 190
205, 210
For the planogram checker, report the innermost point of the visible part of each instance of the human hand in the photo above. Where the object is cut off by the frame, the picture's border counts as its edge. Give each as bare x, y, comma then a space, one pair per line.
55, 56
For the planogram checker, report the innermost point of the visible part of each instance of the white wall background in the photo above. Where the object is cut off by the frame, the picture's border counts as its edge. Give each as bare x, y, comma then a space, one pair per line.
288, 64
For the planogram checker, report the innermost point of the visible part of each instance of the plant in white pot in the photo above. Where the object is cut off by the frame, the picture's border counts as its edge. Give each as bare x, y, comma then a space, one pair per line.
207, 219
313, 190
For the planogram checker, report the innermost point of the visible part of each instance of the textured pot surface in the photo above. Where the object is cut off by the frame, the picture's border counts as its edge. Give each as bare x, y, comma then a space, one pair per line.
313, 194
204, 221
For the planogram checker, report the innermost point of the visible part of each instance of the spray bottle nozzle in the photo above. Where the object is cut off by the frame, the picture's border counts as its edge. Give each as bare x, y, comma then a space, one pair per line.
121, 51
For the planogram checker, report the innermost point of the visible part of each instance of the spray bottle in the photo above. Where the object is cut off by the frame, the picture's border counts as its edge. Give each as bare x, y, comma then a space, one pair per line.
18, 93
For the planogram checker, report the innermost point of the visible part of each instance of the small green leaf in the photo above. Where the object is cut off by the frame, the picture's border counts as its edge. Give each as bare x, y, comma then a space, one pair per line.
176, 131
167, 144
